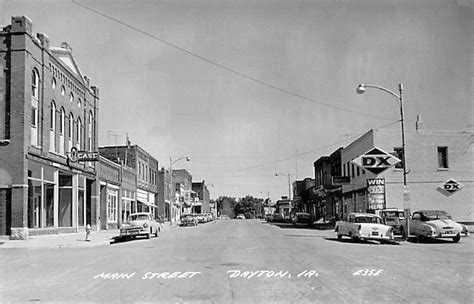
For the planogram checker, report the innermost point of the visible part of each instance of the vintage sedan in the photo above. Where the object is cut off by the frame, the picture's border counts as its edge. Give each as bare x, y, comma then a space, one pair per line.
364, 226
140, 224
434, 224
189, 220
396, 218
301, 219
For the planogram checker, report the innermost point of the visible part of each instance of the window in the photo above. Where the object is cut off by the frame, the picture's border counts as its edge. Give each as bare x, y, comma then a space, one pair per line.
71, 97
79, 134
442, 157
53, 83
52, 127
35, 81
63, 90
70, 131
79, 102
112, 205
90, 131
62, 117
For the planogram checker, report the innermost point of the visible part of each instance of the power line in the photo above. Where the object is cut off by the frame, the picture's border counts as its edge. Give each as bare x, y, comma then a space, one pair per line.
299, 154
215, 63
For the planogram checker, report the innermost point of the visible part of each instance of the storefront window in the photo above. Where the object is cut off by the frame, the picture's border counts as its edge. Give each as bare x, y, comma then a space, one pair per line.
112, 205
34, 203
49, 204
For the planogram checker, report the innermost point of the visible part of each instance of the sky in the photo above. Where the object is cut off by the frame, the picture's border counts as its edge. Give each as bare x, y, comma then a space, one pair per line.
248, 89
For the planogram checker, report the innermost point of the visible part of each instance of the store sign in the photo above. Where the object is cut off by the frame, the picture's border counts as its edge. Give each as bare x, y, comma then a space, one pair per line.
376, 160
451, 186
376, 193
82, 156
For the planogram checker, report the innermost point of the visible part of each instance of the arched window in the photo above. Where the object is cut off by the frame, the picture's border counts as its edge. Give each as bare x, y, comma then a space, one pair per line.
35, 84
79, 134
61, 131
52, 127
90, 131
53, 83
71, 97
70, 131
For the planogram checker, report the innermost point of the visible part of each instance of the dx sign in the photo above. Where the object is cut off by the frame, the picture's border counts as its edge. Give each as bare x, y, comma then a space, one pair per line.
376, 160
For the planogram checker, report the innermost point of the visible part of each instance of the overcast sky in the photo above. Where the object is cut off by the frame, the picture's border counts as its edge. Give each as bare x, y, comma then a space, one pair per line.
250, 88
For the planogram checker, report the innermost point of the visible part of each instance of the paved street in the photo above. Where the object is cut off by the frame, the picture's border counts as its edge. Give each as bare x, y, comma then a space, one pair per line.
242, 261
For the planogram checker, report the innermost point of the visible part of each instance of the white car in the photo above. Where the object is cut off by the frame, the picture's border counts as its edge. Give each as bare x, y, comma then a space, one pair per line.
435, 224
140, 224
364, 226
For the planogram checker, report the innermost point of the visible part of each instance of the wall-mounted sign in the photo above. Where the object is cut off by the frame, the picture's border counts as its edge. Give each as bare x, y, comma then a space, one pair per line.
376, 193
376, 160
450, 186
82, 156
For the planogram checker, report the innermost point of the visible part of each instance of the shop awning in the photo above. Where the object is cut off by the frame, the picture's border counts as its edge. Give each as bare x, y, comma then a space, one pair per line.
148, 204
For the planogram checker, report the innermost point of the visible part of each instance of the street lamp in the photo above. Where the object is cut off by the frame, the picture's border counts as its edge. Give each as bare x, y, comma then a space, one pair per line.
361, 90
172, 193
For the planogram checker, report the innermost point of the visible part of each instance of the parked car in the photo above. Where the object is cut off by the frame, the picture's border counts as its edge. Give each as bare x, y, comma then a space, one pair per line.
188, 220
240, 217
396, 218
201, 218
209, 217
277, 217
223, 217
268, 217
434, 224
140, 224
465, 230
301, 219
364, 226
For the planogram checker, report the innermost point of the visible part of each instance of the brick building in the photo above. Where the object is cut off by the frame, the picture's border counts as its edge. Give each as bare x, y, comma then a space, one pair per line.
164, 194
182, 188
117, 193
145, 167
203, 202
432, 157
47, 108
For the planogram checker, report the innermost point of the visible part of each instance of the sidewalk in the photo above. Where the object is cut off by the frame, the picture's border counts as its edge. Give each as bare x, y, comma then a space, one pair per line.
97, 238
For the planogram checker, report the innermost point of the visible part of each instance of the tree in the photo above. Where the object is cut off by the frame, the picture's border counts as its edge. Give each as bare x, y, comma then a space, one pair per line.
225, 205
249, 206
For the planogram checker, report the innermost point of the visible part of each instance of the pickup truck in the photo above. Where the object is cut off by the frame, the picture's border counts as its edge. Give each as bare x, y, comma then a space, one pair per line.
364, 226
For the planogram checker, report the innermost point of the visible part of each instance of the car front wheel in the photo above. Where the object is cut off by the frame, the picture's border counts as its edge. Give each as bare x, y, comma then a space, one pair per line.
457, 238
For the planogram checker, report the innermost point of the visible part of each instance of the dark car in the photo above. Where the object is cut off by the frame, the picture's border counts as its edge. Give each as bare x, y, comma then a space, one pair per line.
277, 217
189, 220
301, 219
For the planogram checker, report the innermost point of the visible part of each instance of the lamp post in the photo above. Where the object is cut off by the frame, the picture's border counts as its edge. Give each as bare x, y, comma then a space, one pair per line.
361, 90
172, 193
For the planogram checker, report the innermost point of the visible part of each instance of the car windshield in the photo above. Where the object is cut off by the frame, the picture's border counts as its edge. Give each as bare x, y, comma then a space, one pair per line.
138, 217
393, 214
435, 216
368, 219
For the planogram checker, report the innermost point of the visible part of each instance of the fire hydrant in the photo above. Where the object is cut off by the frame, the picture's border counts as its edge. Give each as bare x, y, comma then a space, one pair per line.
88, 232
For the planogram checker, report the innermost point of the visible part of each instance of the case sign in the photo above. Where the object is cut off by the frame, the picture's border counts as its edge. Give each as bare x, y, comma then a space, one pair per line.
376, 160
376, 193
82, 156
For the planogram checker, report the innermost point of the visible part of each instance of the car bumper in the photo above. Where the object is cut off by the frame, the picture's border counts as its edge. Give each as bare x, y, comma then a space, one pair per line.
133, 232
